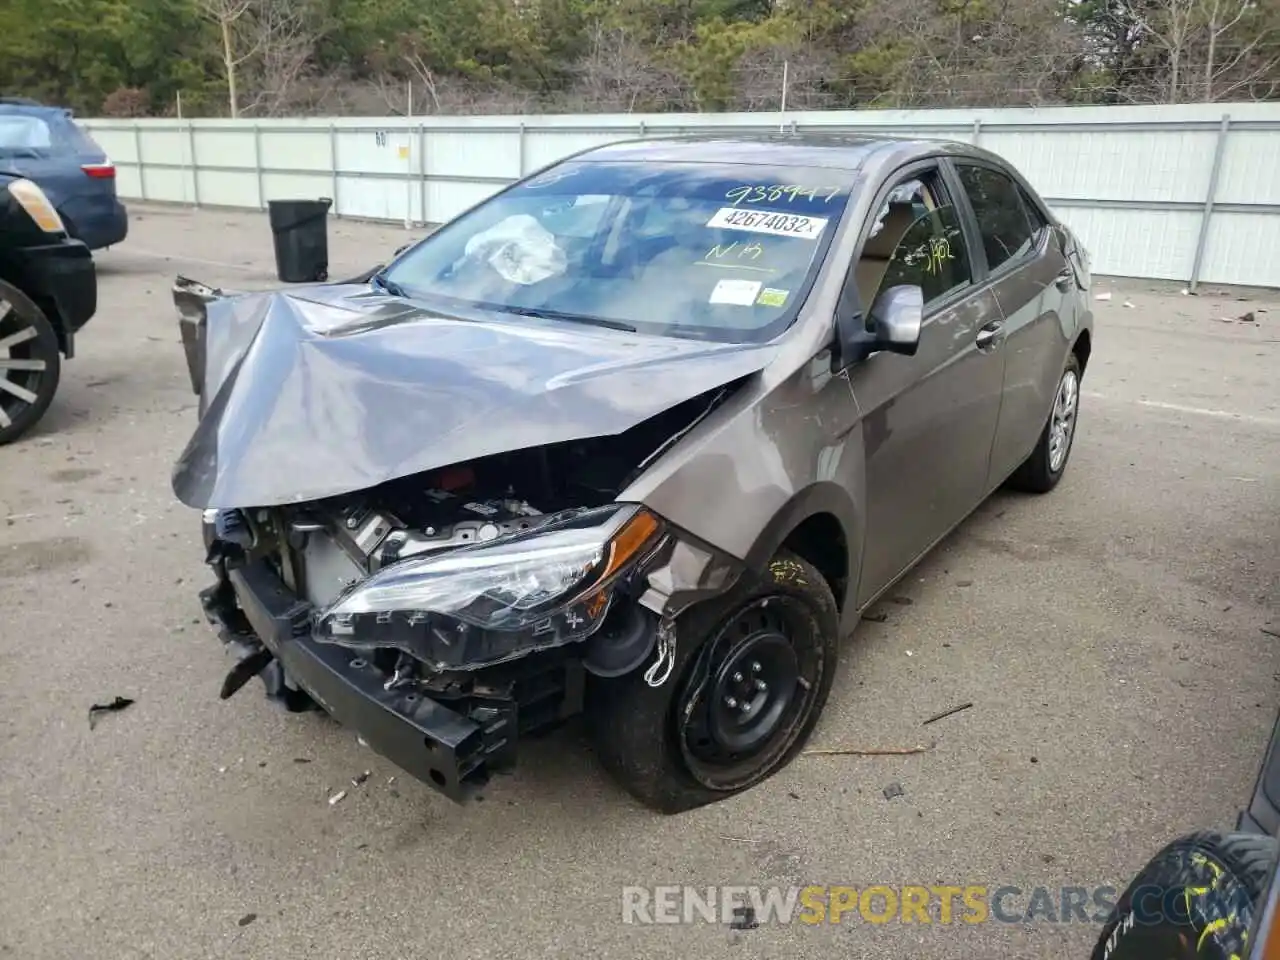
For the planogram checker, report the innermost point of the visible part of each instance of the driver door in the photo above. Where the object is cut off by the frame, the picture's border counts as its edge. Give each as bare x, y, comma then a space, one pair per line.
929, 420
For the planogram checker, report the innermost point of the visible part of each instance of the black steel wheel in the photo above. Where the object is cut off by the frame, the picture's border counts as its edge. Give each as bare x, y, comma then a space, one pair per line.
752, 672
30, 363
748, 694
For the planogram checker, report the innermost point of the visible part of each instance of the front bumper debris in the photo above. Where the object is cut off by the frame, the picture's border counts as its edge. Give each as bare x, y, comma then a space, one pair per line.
452, 740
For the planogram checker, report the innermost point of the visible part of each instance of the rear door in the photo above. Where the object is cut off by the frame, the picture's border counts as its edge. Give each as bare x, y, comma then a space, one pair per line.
1032, 282
46, 145
927, 420
33, 145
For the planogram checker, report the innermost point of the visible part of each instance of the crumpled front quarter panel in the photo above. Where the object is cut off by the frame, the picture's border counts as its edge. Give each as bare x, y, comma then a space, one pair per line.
764, 461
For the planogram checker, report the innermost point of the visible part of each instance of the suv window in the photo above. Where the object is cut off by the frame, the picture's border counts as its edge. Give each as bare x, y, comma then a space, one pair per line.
19, 133
931, 255
1002, 219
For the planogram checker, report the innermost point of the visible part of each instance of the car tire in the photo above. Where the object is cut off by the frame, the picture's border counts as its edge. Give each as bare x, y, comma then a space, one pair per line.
1041, 471
1194, 900
696, 738
27, 339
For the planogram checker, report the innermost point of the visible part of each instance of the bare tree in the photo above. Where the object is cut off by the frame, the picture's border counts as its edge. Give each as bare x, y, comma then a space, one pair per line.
1221, 47
227, 14
272, 40
284, 38
425, 75
619, 73
1172, 26
1251, 61
393, 92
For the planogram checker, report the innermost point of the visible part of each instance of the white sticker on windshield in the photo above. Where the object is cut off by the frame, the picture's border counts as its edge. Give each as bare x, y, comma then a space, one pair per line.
741, 293
765, 221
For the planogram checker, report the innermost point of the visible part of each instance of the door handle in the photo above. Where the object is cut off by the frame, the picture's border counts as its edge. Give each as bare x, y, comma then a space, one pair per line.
989, 337
1064, 280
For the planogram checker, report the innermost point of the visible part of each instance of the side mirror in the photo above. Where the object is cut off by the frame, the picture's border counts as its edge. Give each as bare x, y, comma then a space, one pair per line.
896, 319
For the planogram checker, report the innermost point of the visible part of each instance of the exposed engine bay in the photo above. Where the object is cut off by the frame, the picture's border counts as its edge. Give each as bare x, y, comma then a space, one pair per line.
472, 503
326, 552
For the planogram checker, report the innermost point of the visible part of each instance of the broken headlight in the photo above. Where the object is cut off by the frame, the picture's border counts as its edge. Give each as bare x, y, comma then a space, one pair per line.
481, 604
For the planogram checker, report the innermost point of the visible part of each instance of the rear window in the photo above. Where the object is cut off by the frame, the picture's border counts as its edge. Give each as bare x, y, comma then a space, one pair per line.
19, 133
688, 250
27, 135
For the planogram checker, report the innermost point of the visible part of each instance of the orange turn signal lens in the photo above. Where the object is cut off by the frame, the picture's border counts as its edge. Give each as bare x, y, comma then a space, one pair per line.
637, 533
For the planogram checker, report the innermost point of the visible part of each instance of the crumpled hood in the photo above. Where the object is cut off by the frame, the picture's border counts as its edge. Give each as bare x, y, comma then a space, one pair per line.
334, 389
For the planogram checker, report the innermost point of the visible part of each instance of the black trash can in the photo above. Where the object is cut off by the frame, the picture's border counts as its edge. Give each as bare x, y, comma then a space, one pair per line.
300, 231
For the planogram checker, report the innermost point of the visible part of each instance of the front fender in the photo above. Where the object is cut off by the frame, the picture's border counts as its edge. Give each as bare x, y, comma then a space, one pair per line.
819, 499
192, 299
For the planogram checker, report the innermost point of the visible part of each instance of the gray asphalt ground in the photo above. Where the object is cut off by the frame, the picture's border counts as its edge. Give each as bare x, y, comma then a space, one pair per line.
1110, 636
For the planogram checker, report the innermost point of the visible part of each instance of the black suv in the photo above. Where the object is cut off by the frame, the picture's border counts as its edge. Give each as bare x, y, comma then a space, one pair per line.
48, 291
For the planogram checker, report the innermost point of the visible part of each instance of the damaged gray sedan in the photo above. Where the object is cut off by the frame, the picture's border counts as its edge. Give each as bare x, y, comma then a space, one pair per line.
640, 436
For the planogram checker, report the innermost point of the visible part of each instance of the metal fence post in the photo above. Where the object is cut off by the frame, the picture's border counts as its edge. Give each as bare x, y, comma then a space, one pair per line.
1210, 196
137, 151
195, 167
333, 168
977, 130
257, 164
520, 152
422, 172
408, 178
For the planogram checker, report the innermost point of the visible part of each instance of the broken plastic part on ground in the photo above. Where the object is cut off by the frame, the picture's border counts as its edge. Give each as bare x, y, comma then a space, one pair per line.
98, 710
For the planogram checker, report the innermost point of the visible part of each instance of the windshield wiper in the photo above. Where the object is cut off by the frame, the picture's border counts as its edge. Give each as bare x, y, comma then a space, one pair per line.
380, 281
569, 318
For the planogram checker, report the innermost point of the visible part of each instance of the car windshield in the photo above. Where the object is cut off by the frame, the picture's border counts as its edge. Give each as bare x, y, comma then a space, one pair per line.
679, 249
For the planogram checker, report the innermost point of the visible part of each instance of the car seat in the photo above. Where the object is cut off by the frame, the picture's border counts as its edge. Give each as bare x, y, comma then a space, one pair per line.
879, 249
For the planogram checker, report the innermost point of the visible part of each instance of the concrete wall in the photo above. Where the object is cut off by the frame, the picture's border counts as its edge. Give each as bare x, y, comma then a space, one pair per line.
1184, 192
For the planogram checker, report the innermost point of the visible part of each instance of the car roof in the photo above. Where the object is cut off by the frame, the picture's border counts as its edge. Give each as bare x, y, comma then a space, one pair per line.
16, 108
835, 151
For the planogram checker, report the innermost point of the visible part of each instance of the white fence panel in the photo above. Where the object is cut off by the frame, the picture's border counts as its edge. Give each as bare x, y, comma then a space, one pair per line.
1185, 192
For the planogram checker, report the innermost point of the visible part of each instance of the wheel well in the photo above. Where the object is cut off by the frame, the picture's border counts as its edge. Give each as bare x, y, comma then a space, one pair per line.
821, 540
11, 274
1082, 347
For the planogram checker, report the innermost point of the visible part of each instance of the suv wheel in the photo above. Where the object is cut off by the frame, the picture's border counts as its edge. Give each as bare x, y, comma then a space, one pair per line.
30, 363
752, 672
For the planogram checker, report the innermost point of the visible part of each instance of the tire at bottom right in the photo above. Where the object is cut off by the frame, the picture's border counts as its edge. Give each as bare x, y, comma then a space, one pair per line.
1194, 900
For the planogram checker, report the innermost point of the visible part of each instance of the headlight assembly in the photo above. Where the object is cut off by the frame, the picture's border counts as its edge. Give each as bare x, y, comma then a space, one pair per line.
481, 604
33, 200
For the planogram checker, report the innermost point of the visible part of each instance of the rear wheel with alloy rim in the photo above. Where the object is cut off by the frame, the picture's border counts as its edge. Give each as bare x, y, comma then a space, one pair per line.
30, 363
752, 672
1041, 471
